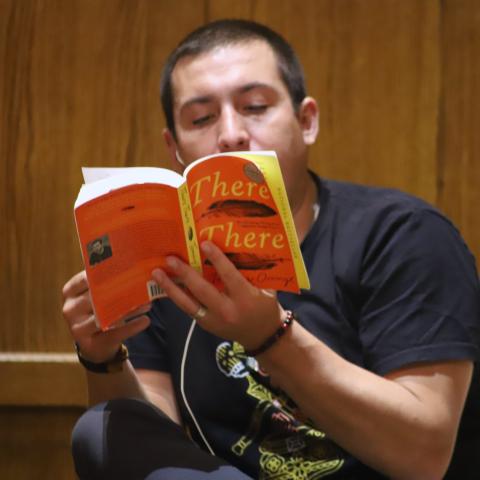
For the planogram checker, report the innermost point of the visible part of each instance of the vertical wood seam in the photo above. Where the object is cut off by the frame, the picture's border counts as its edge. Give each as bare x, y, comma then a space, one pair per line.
440, 123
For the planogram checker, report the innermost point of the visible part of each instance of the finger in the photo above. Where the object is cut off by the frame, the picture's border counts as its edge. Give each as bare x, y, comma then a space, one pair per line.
121, 333
144, 309
78, 307
203, 291
231, 277
76, 285
84, 328
178, 295
99, 346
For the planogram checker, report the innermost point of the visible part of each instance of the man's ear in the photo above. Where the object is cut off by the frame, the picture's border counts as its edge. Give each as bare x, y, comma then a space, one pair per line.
308, 116
172, 148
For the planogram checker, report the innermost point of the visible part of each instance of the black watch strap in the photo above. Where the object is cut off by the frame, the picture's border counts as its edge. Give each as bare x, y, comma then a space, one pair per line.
112, 366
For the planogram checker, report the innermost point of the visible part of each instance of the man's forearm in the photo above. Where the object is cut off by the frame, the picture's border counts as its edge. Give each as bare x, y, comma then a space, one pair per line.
379, 420
108, 386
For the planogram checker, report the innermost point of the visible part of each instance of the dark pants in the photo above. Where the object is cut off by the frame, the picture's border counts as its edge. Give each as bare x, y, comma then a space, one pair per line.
129, 439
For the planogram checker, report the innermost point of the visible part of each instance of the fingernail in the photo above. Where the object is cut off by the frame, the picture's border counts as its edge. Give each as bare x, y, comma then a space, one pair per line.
158, 274
206, 248
172, 262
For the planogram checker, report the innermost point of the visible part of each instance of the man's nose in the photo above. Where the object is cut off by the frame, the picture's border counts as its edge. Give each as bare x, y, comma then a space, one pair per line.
233, 133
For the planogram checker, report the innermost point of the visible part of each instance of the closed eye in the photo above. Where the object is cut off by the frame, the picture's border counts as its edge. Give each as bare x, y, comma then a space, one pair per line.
202, 120
256, 108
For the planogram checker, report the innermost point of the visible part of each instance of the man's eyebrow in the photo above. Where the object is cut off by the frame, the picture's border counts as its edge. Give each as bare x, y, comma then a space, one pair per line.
200, 99
253, 85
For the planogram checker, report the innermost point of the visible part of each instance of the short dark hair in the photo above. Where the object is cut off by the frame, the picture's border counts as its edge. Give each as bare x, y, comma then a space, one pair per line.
228, 32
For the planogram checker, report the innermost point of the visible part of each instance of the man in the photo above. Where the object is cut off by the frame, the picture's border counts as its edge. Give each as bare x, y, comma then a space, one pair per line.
99, 251
367, 378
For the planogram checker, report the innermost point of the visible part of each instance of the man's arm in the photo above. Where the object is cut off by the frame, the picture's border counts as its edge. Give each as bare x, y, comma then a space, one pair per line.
155, 387
403, 425
159, 389
98, 346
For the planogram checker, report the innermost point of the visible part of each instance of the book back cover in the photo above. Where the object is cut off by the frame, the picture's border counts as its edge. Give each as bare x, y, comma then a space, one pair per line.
124, 235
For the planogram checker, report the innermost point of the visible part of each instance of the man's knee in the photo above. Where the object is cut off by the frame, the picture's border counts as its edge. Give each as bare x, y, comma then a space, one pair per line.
105, 440
129, 439
88, 443
222, 473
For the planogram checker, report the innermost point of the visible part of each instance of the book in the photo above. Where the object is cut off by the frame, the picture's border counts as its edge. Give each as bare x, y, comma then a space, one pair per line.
129, 219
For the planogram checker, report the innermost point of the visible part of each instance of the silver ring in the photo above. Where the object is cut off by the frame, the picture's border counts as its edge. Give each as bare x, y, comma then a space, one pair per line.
200, 313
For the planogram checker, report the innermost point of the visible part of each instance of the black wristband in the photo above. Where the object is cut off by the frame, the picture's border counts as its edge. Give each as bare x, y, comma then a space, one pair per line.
112, 366
287, 323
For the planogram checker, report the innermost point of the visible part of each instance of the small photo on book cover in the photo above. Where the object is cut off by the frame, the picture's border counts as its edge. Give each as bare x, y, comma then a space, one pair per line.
99, 250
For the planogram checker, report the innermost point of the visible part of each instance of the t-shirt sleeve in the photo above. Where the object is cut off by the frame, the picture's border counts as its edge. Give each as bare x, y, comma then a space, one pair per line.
148, 349
420, 293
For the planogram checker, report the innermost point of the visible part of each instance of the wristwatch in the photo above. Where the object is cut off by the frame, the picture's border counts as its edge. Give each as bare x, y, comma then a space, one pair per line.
111, 366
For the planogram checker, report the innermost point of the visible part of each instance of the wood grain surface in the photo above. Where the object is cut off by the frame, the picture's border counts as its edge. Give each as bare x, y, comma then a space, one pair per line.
35, 443
396, 80
48, 380
374, 68
459, 126
79, 86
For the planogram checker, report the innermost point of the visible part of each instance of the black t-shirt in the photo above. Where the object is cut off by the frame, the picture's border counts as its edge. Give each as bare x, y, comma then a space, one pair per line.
392, 283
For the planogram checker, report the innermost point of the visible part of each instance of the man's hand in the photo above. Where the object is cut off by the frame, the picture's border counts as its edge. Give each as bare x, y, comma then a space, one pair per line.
241, 312
95, 345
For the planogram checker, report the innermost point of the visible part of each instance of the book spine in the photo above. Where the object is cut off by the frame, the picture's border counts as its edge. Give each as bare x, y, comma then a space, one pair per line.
272, 173
189, 228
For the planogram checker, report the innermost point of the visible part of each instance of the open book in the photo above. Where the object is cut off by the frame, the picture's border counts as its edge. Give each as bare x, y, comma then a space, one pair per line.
129, 219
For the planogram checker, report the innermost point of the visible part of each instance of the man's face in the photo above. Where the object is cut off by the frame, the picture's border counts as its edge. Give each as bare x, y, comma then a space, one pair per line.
232, 98
97, 247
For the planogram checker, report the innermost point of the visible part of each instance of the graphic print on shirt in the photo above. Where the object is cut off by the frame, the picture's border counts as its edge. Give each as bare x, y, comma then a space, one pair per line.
289, 448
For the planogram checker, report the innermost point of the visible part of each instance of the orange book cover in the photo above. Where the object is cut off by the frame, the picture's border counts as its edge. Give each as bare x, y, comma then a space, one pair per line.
129, 221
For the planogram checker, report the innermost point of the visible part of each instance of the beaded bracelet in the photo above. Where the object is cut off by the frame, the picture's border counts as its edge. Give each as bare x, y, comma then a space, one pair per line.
287, 323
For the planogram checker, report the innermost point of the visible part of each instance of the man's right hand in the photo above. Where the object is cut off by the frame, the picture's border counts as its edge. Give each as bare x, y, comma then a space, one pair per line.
95, 345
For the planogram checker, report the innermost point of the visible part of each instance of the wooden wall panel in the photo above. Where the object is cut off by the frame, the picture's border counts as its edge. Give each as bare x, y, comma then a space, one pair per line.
398, 87
48, 379
79, 86
218, 9
374, 68
459, 135
35, 443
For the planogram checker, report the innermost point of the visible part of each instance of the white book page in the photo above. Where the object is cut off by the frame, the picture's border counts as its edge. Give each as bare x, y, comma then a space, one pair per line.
103, 180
